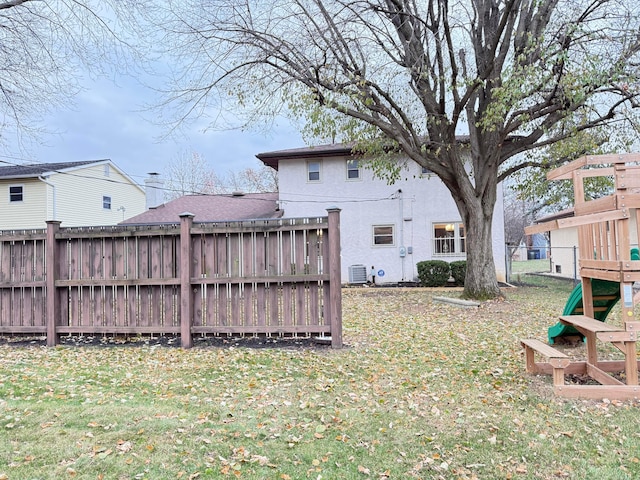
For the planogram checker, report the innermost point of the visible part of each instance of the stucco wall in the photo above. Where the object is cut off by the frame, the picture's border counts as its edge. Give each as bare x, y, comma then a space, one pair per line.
411, 205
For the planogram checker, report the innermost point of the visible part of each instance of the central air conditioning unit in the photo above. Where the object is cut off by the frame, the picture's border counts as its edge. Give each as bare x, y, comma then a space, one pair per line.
357, 274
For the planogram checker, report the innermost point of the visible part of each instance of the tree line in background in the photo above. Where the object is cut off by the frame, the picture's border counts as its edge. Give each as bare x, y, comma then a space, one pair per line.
189, 173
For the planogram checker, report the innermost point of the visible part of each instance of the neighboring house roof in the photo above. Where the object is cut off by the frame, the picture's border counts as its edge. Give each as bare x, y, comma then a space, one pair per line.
36, 170
40, 169
212, 208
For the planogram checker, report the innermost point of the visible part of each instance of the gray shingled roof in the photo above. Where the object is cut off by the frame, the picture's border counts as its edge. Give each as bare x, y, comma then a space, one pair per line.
211, 208
37, 169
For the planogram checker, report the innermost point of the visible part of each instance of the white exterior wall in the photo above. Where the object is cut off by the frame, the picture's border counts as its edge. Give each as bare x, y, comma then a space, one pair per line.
31, 213
78, 199
423, 201
562, 244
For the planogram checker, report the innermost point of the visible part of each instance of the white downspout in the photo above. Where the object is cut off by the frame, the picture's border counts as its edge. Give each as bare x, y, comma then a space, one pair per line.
45, 181
401, 231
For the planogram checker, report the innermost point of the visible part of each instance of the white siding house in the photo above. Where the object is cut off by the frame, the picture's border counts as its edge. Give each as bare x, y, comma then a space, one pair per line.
89, 193
387, 229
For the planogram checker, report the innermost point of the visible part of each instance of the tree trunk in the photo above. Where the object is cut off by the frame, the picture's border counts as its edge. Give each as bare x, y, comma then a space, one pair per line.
481, 282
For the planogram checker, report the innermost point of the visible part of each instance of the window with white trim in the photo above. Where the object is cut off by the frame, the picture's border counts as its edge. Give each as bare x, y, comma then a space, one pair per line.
106, 202
313, 171
449, 239
383, 235
16, 193
353, 170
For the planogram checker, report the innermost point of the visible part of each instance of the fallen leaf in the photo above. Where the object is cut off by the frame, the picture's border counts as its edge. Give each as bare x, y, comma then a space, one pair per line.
364, 470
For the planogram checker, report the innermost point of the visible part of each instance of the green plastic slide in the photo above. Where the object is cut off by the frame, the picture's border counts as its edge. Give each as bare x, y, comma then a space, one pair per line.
609, 293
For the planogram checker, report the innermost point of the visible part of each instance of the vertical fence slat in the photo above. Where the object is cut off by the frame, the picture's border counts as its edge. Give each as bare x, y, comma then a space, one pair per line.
287, 304
300, 258
5, 261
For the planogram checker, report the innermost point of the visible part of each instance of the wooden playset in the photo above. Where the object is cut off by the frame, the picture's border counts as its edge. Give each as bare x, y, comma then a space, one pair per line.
609, 264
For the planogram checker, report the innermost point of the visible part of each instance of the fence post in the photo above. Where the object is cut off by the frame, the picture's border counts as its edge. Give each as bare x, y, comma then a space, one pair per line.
335, 278
186, 302
52, 305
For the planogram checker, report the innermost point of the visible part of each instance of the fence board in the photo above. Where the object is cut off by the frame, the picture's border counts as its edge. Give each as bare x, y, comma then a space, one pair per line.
39, 308
143, 253
5, 261
40, 261
287, 305
131, 248
86, 305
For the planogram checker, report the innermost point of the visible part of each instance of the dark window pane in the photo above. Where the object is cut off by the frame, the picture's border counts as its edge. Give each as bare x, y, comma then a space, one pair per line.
15, 194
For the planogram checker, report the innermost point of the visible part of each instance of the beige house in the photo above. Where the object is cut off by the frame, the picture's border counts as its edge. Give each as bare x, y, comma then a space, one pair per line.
88, 193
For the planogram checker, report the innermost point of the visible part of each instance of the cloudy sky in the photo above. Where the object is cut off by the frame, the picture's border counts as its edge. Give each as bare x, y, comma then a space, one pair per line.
109, 120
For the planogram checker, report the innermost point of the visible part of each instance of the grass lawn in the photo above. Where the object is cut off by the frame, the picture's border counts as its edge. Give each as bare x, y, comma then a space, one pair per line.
422, 390
529, 266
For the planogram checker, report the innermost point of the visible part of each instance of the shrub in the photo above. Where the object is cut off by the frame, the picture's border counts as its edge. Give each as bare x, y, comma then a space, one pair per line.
459, 271
433, 273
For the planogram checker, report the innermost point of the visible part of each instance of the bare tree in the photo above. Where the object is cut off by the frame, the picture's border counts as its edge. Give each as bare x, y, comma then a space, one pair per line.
189, 173
518, 214
411, 75
45, 44
252, 180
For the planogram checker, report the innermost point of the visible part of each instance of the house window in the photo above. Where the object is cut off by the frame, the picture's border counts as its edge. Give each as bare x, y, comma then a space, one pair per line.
313, 171
353, 169
16, 193
425, 171
449, 239
106, 203
383, 235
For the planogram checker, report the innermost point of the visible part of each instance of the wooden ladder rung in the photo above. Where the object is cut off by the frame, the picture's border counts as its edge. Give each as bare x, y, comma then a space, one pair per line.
605, 297
595, 309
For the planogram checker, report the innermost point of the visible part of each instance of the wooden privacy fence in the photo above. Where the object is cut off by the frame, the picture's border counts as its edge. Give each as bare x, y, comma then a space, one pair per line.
256, 277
